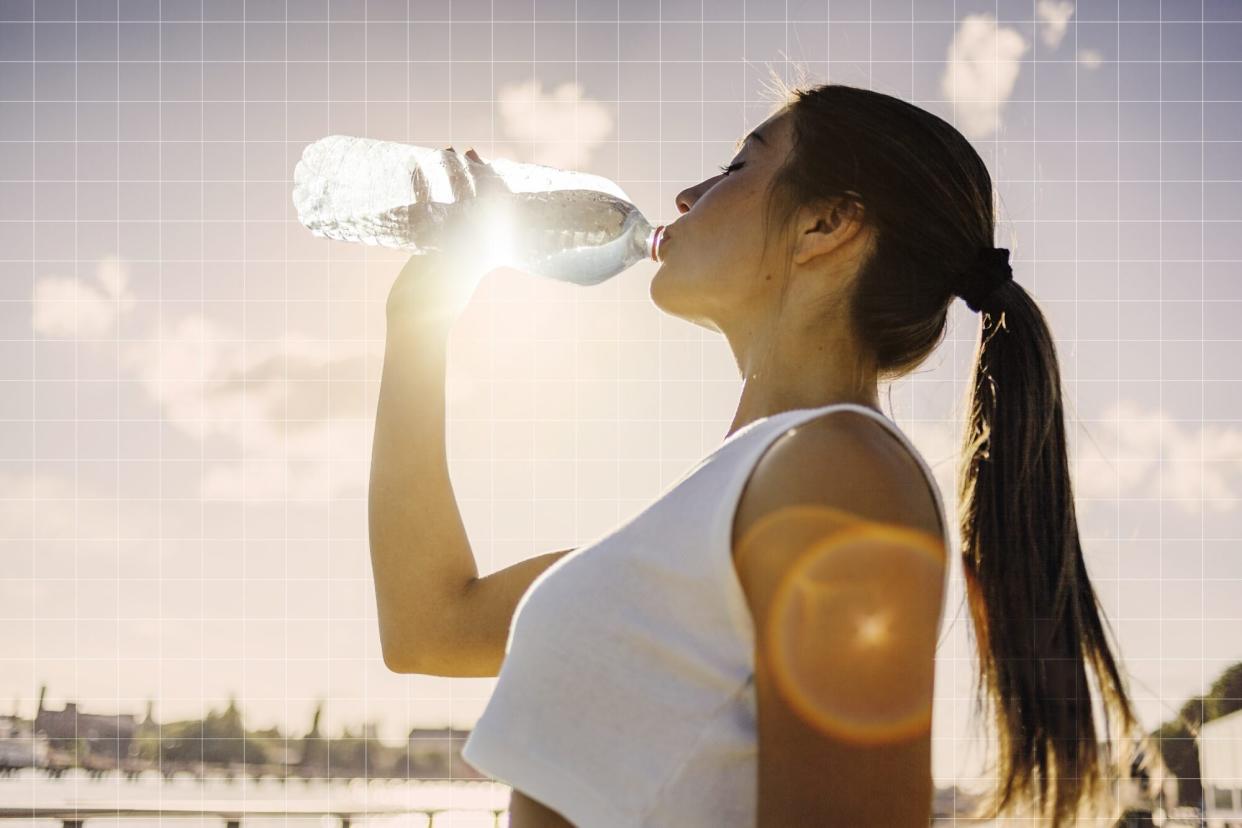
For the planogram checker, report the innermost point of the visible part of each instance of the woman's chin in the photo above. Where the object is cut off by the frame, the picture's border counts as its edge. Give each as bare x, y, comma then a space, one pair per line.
667, 294
682, 304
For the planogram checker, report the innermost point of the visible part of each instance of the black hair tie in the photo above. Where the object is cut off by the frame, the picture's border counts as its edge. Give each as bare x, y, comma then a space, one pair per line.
989, 271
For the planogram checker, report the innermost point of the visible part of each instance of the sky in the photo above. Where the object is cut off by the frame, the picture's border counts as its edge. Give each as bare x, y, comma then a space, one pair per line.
189, 377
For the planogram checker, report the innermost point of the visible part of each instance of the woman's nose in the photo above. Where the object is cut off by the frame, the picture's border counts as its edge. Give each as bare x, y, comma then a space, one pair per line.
685, 199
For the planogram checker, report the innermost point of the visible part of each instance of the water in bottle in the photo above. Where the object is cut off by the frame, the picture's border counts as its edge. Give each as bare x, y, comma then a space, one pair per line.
566, 225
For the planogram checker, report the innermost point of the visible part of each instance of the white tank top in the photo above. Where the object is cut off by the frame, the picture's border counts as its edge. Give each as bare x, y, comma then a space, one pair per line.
626, 696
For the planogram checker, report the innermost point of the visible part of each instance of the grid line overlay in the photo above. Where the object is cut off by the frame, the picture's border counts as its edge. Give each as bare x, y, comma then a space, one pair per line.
183, 433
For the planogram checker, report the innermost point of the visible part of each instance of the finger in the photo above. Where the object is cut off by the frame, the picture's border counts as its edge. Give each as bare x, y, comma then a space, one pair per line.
461, 181
487, 182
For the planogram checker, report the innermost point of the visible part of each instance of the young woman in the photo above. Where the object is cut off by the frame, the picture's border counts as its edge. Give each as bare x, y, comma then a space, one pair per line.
757, 647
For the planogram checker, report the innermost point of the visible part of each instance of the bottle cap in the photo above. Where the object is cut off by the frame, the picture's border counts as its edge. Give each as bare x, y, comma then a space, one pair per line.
656, 238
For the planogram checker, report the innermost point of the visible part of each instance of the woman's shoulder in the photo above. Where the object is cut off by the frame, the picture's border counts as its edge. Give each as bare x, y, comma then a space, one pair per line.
841, 461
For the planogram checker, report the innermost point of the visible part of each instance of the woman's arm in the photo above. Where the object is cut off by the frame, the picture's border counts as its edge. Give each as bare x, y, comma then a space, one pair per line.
838, 550
421, 558
436, 615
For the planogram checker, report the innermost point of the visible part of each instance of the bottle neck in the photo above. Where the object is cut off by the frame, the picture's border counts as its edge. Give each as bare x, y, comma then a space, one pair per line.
652, 243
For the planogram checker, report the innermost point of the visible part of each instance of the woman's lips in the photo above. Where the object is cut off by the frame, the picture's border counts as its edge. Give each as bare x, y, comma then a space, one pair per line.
664, 236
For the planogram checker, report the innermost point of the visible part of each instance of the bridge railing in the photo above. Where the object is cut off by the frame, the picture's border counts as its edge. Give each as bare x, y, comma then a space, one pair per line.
231, 814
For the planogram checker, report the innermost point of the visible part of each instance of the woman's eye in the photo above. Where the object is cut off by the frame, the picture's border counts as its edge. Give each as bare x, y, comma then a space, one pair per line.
731, 167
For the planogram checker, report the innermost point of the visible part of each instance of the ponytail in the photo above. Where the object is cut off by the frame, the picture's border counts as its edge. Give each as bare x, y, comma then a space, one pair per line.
1037, 621
929, 198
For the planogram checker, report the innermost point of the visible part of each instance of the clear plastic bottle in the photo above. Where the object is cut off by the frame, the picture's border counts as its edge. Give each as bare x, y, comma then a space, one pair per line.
566, 225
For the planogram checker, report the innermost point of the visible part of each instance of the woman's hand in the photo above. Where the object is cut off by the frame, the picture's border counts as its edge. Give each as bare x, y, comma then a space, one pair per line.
435, 286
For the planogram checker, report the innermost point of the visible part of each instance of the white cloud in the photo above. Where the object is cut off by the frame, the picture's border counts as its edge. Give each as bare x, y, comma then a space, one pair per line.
68, 306
1160, 456
982, 67
295, 405
563, 126
1090, 58
1054, 18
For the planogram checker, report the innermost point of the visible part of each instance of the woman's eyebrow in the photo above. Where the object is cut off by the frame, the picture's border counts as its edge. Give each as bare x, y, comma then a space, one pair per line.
754, 134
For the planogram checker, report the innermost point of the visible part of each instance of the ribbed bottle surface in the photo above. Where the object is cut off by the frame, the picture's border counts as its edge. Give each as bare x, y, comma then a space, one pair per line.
562, 224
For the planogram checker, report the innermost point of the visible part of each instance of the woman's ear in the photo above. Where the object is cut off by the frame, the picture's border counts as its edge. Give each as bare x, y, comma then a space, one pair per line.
824, 228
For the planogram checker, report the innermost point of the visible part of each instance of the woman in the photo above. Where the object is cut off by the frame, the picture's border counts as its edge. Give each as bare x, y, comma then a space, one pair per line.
648, 679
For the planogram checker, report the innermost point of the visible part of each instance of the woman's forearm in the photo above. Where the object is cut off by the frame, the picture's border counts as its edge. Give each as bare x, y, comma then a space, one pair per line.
421, 558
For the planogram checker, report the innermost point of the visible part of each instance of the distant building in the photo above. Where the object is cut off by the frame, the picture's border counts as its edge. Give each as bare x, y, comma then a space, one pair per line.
436, 753
1147, 785
285, 753
103, 735
951, 802
20, 746
1220, 763
435, 739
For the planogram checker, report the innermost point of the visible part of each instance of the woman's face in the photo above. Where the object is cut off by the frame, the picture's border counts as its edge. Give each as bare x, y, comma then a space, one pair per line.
713, 266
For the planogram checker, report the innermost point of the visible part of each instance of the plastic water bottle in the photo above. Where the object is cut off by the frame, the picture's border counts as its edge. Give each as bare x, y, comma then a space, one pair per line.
566, 225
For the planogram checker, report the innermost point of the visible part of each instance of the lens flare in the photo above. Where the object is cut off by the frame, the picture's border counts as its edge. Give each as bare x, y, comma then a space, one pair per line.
496, 245
846, 636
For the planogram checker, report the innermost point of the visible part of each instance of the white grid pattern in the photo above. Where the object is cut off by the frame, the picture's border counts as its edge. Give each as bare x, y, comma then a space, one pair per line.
513, 520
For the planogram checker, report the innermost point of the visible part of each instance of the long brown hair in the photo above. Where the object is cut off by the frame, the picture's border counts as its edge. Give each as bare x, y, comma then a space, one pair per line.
1037, 623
